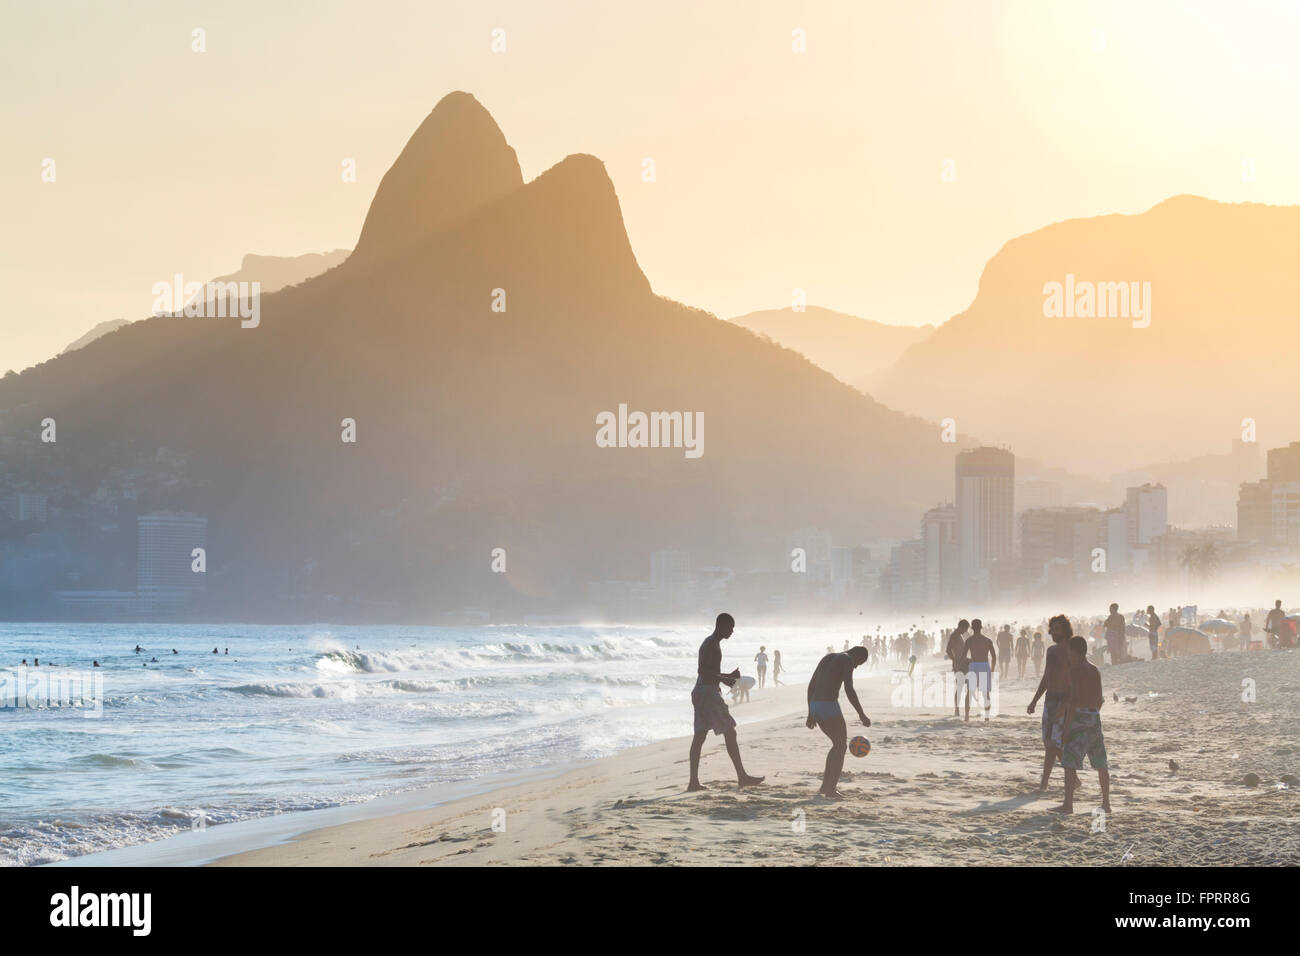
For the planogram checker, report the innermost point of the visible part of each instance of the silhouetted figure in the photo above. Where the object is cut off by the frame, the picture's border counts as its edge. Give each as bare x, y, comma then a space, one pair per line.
1081, 727
776, 668
1115, 639
710, 709
1056, 685
834, 671
174, 650
1022, 653
956, 651
138, 648
760, 660
1245, 632
1273, 623
1005, 642
94, 663
983, 658
214, 650
1153, 631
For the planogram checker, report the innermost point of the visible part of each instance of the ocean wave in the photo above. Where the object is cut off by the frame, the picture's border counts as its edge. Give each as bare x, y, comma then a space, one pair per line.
343, 660
341, 689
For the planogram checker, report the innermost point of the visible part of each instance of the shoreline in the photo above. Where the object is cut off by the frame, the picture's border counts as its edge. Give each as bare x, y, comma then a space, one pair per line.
219, 843
934, 791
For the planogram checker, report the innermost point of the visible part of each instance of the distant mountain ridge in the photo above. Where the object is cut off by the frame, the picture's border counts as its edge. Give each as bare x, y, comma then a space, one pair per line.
272, 273
850, 348
103, 328
1099, 395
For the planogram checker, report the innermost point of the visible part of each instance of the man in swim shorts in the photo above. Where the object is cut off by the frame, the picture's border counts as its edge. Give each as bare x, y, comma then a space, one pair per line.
710, 710
824, 712
1081, 728
1056, 685
983, 659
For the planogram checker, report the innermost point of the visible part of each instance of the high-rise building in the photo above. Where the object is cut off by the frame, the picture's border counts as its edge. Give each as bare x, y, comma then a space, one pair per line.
1146, 513
985, 508
1255, 512
165, 579
1284, 463
907, 575
26, 507
1048, 536
939, 544
1285, 512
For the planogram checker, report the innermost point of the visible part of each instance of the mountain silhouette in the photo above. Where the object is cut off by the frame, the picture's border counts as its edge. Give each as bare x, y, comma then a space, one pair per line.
475, 428
101, 329
850, 348
1099, 395
457, 161
273, 273
270, 272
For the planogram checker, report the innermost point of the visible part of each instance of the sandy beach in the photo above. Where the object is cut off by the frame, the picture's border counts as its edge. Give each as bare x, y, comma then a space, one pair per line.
933, 791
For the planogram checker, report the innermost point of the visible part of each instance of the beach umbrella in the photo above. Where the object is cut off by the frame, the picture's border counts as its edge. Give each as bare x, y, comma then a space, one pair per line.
1135, 630
1219, 625
1187, 640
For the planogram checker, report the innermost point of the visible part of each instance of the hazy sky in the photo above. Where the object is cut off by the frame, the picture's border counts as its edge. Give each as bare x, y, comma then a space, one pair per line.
775, 169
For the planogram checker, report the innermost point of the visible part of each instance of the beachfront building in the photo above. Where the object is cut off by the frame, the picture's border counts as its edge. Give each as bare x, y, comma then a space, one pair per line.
1255, 512
940, 555
985, 514
1284, 513
26, 507
1146, 513
1268, 511
165, 579
1284, 463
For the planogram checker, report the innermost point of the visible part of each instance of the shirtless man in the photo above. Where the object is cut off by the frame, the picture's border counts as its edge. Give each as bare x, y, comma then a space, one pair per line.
824, 711
1022, 652
983, 659
1056, 685
1115, 639
1005, 640
1273, 623
956, 651
1081, 730
710, 710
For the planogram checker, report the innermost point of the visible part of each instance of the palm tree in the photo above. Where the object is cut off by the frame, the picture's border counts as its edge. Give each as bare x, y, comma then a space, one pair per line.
1200, 561
1209, 560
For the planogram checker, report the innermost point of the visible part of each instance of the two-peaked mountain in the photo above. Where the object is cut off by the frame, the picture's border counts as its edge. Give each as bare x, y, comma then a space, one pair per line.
473, 339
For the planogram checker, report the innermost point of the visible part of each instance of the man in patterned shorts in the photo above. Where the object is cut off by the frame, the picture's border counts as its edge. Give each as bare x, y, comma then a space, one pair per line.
1081, 729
